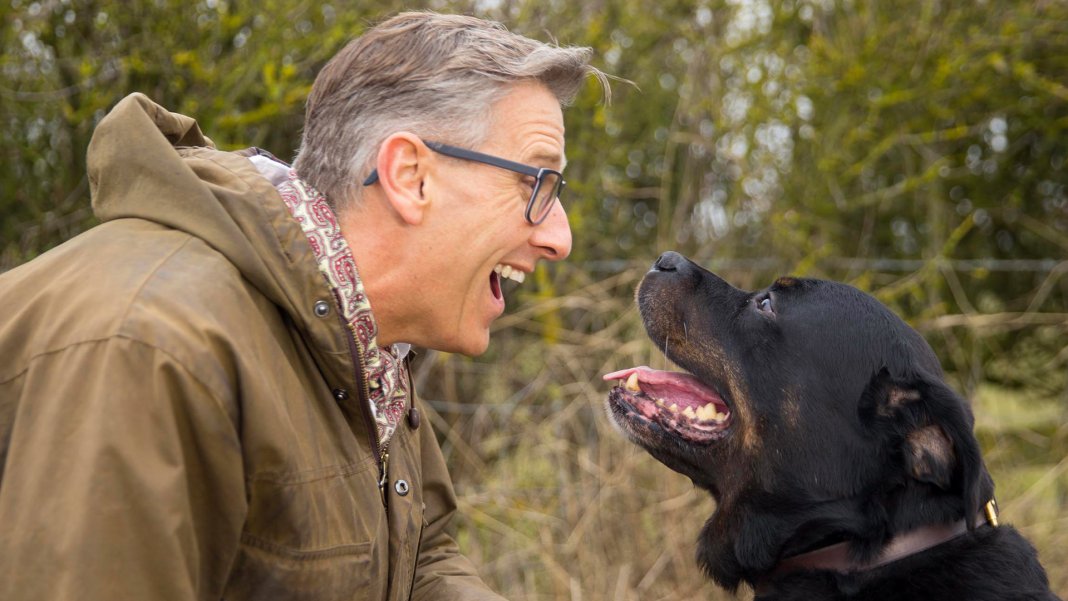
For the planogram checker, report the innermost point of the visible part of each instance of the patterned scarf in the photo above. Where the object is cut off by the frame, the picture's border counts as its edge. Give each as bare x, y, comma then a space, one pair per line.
385, 369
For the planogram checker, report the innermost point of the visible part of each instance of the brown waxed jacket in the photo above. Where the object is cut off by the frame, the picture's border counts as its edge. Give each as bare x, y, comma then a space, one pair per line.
177, 422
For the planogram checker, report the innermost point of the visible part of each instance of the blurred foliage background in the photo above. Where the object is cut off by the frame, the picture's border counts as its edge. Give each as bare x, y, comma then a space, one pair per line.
914, 149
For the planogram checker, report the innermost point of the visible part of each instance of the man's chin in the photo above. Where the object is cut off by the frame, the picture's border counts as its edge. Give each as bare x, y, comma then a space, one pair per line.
472, 344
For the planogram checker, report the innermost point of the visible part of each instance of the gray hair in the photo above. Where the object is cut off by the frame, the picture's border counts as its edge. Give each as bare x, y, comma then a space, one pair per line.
434, 75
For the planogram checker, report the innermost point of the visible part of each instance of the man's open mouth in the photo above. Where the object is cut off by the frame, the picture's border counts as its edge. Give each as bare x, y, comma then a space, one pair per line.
678, 402
495, 285
506, 272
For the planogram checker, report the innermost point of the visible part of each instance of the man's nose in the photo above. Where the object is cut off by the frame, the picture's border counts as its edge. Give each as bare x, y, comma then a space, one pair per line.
553, 236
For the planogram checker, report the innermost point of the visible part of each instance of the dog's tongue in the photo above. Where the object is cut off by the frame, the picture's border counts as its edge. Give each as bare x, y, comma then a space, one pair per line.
672, 387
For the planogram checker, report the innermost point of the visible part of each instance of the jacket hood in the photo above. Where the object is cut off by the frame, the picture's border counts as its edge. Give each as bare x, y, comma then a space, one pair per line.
148, 163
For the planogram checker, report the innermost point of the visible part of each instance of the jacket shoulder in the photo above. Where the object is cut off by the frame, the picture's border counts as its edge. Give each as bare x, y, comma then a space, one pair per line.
126, 278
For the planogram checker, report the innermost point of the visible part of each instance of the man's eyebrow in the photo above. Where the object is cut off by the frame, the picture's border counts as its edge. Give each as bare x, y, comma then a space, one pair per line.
549, 158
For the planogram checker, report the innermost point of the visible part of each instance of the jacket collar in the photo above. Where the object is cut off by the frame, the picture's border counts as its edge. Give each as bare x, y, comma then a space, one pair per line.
384, 367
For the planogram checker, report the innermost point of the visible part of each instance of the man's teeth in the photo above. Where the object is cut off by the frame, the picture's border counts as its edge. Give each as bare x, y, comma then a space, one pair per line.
506, 271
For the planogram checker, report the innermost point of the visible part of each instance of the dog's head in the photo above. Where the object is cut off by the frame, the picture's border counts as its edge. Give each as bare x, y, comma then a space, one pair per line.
811, 412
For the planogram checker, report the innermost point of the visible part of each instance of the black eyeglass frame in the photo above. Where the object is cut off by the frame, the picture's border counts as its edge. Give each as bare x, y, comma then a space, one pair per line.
538, 173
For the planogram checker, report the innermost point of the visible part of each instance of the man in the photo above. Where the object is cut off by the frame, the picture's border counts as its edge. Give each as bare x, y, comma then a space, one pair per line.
207, 395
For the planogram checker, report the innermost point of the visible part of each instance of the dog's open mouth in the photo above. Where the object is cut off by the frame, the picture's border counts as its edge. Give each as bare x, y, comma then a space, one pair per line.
677, 402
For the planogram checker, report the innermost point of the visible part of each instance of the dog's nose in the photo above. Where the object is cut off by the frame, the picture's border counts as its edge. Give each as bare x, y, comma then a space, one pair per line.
669, 261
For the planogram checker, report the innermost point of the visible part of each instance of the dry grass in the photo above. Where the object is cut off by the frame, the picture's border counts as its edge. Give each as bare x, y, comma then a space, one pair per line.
556, 505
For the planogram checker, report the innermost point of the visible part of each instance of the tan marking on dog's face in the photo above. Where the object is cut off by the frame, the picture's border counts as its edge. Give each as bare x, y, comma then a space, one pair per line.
786, 282
790, 407
929, 446
699, 352
688, 346
655, 313
896, 398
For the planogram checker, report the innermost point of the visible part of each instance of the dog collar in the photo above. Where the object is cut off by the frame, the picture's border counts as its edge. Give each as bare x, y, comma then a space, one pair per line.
837, 558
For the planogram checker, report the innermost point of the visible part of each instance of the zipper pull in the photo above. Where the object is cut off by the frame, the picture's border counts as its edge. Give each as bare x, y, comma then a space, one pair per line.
385, 477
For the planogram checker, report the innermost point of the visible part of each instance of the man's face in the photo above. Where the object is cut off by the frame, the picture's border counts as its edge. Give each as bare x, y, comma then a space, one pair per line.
479, 225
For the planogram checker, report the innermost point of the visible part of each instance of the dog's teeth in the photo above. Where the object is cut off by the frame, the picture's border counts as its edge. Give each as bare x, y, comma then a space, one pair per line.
632, 383
708, 413
674, 407
690, 413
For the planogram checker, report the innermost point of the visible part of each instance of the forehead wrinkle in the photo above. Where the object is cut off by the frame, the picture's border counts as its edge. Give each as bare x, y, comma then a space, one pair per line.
527, 123
542, 157
557, 160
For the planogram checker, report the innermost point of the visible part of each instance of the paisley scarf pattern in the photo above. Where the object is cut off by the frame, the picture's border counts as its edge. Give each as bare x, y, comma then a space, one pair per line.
385, 370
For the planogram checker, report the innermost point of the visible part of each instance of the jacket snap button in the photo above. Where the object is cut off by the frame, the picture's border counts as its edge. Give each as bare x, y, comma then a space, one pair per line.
340, 394
322, 308
401, 486
413, 418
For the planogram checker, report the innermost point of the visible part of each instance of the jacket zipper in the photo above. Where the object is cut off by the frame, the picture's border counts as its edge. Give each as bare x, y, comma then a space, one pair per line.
380, 452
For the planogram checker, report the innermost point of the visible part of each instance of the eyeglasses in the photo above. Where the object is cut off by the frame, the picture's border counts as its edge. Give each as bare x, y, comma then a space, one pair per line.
548, 183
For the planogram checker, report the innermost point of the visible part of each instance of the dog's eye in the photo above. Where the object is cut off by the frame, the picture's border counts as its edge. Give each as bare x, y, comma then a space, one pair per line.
764, 303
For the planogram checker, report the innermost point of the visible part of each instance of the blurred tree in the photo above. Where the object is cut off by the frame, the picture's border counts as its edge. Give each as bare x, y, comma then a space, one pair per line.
940, 137
242, 68
877, 143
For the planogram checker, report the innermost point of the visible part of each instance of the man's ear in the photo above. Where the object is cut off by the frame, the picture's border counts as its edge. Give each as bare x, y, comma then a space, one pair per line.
402, 166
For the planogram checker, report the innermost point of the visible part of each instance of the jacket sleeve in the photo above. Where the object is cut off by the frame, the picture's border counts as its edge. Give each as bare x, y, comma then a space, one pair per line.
123, 479
442, 572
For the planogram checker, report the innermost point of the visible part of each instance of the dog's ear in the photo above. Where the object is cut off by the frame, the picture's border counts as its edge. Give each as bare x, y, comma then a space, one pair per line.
954, 416
935, 427
929, 456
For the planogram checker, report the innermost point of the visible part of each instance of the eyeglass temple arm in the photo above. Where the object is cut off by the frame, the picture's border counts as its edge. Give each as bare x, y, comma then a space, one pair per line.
470, 155
478, 157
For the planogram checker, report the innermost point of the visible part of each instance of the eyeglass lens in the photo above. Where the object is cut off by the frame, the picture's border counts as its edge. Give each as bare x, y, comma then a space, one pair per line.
544, 196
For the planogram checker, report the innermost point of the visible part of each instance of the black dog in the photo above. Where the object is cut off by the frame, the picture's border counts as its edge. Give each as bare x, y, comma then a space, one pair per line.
842, 464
